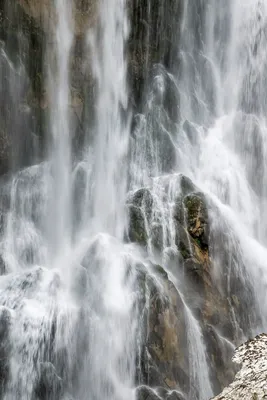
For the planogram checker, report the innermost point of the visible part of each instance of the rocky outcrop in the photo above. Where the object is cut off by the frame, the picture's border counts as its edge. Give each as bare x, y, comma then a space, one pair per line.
250, 381
221, 312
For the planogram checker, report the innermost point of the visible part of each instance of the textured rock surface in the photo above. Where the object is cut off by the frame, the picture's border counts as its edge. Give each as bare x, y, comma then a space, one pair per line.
163, 362
25, 33
85, 12
218, 308
250, 382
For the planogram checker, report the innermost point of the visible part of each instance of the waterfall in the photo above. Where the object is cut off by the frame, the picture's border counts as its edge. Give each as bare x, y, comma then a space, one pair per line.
133, 240
60, 146
111, 132
62, 274
227, 100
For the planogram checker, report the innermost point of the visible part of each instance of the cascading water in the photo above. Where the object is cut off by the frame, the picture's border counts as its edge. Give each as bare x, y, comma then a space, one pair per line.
84, 311
219, 143
60, 146
224, 74
64, 274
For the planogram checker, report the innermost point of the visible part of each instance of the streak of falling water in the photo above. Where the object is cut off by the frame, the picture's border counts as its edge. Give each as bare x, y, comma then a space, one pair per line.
59, 222
227, 98
221, 84
112, 330
56, 282
111, 131
222, 90
221, 142
200, 385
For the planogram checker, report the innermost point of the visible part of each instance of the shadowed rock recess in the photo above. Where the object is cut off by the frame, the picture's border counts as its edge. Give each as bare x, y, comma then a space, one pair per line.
133, 235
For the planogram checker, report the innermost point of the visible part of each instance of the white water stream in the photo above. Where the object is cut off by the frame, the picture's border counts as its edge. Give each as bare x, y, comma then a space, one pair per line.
69, 296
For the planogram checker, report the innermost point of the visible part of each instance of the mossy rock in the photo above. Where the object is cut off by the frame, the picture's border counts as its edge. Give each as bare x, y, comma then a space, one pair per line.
197, 219
186, 187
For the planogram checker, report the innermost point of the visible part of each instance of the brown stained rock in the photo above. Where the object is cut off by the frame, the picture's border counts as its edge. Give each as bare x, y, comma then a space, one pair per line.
166, 337
43, 12
197, 218
166, 341
213, 308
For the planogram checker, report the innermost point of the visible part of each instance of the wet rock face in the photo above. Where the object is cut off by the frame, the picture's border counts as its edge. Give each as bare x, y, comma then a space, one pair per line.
197, 219
162, 363
5, 347
146, 393
221, 312
24, 31
21, 65
25, 45
85, 12
153, 40
49, 386
139, 211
